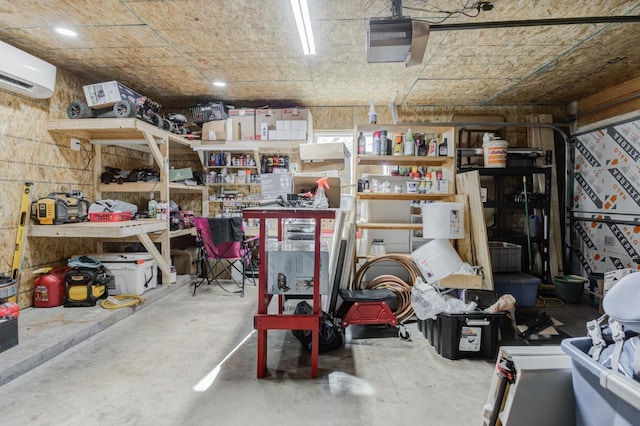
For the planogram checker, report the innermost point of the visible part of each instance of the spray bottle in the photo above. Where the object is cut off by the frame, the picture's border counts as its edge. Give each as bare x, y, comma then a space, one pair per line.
320, 200
373, 117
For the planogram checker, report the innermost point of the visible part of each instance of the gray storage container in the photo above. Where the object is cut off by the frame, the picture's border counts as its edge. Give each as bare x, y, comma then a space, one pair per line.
603, 396
505, 257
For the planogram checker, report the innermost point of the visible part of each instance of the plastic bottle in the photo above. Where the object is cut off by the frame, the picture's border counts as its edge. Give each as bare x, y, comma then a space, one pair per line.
377, 142
152, 206
421, 146
433, 148
398, 148
409, 143
385, 149
362, 143
378, 248
443, 148
373, 117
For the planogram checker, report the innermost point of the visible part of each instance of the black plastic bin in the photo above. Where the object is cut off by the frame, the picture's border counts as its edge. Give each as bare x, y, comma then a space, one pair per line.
466, 335
8, 333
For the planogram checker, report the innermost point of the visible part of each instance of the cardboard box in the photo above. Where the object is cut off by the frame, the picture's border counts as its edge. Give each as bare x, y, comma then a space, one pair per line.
180, 174
325, 151
326, 156
185, 260
296, 114
233, 130
246, 118
461, 281
266, 117
306, 183
214, 130
300, 120
291, 266
103, 95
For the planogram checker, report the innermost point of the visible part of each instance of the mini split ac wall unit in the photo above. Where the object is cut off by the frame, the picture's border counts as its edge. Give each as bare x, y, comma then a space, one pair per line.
25, 74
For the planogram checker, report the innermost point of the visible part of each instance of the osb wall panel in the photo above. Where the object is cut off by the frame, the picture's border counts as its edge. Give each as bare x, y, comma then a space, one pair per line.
28, 153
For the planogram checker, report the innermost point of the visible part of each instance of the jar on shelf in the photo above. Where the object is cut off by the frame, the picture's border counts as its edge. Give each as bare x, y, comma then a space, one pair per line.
377, 247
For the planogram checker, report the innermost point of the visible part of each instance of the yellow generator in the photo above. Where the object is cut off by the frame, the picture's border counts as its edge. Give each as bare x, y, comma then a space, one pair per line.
60, 207
84, 286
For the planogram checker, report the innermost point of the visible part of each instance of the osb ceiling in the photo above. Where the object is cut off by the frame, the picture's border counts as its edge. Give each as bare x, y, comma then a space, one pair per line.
171, 51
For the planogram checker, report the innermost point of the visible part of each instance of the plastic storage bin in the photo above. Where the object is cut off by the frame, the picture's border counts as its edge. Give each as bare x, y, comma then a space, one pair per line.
134, 273
523, 287
467, 335
603, 397
8, 333
505, 257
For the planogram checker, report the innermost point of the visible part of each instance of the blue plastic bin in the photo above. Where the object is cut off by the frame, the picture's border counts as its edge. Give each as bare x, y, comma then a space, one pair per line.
603, 397
523, 287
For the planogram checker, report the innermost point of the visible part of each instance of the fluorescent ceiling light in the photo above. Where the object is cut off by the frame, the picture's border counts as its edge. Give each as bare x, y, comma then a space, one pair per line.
66, 32
219, 83
303, 21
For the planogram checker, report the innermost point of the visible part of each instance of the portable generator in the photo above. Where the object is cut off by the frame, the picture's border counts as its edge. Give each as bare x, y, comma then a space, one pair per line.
84, 286
60, 207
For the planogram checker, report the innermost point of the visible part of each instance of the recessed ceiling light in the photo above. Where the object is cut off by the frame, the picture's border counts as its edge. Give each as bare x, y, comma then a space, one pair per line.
66, 32
219, 83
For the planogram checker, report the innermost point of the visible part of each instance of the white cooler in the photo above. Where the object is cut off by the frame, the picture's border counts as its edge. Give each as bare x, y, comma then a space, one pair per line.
134, 273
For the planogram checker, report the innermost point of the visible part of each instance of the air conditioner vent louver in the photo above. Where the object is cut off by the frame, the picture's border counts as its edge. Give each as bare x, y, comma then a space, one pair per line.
15, 82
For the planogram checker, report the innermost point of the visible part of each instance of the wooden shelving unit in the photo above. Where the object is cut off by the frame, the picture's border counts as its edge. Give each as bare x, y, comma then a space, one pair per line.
388, 214
135, 134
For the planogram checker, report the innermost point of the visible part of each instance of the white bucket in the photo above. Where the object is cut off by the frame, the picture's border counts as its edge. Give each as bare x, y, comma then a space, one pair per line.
495, 153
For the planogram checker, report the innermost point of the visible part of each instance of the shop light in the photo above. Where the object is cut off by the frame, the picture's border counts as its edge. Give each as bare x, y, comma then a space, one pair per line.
66, 32
303, 21
219, 83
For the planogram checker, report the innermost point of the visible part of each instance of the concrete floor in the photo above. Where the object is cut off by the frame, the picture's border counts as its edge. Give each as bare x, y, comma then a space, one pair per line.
142, 369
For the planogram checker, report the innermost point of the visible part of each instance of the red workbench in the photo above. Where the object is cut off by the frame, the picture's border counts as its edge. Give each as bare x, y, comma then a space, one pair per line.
263, 321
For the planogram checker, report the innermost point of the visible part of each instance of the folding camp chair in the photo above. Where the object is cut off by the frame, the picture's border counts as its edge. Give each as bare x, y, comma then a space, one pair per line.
222, 241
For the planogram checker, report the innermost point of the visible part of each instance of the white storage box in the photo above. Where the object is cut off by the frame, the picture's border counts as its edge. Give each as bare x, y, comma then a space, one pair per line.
134, 273
443, 220
102, 95
436, 259
291, 266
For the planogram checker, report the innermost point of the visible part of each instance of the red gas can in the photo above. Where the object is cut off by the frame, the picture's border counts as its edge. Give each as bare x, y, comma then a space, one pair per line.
48, 289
